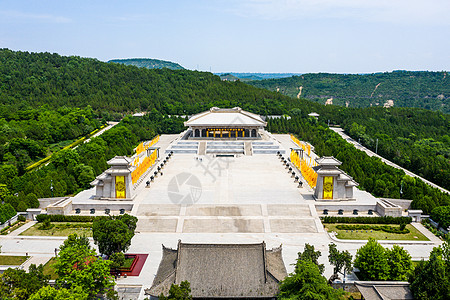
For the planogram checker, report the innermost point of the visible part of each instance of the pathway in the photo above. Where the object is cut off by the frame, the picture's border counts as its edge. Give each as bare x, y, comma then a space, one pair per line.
22, 228
36, 260
110, 125
358, 146
426, 233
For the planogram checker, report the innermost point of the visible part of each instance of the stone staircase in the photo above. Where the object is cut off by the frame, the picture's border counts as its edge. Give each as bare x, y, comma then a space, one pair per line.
225, 147
183, 147
266, 147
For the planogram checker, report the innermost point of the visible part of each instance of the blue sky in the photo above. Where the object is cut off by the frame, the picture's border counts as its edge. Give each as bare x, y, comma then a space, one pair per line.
299, 36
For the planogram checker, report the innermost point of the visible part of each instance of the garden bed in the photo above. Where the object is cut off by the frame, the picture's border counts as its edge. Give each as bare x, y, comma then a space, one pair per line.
12, 260
134, 269
413, 235
60, 229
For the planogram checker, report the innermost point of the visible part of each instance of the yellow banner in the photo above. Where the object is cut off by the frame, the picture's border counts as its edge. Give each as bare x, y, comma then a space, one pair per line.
120, 187
143, 166
328, 187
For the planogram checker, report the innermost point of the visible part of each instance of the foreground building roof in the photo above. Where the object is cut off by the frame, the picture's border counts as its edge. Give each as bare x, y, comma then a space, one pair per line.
384, 290
221, 270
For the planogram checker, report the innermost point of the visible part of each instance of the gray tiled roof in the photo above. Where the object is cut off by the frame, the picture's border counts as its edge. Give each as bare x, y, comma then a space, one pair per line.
384, 290
221, 270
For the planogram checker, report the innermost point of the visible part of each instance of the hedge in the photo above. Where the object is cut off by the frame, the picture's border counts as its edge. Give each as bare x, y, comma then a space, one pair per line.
64, 218
6, 212
385, 228
367, 220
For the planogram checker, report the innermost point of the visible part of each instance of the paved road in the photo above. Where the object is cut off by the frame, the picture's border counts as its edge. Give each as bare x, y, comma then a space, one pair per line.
340, 131
110, 125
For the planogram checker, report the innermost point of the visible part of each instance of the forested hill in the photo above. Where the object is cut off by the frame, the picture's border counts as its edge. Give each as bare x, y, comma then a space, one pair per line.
30, 80
429, 90
148, 63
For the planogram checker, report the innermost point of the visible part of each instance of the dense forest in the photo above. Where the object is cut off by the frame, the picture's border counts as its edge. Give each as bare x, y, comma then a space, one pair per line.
372, 175
429, 90
30, 80
148, 63
418, 140
71, 171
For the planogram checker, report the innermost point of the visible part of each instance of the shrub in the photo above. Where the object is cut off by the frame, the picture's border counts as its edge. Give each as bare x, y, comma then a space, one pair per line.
385, 228
64, 218
21, 218
367, 220
46, 225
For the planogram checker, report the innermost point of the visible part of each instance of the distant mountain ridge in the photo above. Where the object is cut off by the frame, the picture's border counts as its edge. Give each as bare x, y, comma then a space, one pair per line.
148, 63
233, 76
422, 89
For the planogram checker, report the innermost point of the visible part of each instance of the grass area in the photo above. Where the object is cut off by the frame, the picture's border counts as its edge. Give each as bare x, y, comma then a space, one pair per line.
413, 235
12, 260
60, 229
49, 269
128, 262
55, 147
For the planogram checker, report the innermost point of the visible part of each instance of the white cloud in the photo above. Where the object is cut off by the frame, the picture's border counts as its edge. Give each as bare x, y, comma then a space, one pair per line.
22, 16
395, 11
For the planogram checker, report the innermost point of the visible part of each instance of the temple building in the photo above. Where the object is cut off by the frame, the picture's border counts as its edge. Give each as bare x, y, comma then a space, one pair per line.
333, 184
226, 123
221, 270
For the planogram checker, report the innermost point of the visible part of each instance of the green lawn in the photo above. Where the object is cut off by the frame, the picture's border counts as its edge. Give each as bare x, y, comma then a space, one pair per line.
12, 260
413, 235
128, 262
59, 229
49, 270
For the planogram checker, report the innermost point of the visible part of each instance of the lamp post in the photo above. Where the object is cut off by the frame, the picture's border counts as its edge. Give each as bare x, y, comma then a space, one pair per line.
51, 186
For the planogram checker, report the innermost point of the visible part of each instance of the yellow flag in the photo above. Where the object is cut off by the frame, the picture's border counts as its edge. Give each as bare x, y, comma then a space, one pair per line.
120, 187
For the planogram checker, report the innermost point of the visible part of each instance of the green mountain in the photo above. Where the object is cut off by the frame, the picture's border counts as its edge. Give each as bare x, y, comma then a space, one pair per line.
31, 80
429, 90
148, 63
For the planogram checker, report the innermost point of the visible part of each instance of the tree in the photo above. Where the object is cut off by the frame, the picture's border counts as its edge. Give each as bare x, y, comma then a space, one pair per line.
3, 192
114, 234
85, 175
6, 212
371, 260
310, 254
430, 279
400, 264
178, 292
18, 284
117, 259
51, 293
32, 200
339, 259
441, 214
77, 266
307, 283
